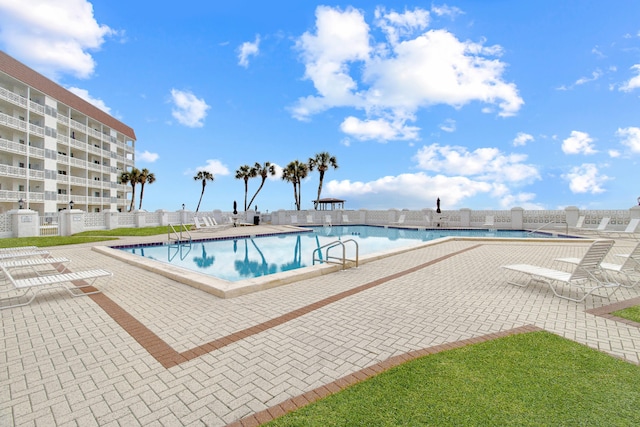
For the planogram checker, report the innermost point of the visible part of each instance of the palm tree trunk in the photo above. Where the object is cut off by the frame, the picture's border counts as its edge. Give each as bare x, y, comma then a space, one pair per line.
246, 191
133, 197
141, 195
201, 194
317, 202
295, 195
257, 191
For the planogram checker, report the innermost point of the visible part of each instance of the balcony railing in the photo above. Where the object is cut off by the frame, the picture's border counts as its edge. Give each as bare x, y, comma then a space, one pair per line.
13, 122
12, 97
12, 146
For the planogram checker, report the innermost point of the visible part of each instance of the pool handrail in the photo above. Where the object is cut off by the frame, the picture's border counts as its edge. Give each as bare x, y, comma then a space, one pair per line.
328, 259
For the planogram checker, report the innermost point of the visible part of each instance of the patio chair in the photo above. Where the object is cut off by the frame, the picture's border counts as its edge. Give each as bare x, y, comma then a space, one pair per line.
72, 282
604, 222
18, 249
630, 268
587, 276
22, 254
629, 231
488, 221
400, 220
33, 263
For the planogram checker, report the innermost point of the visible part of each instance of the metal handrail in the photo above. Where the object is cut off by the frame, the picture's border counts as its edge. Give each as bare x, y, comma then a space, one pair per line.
330, 259
171, 230
566, 231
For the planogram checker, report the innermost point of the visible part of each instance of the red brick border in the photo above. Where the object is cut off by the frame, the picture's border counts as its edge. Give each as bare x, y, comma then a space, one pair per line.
168, 357
311, 396
605, 311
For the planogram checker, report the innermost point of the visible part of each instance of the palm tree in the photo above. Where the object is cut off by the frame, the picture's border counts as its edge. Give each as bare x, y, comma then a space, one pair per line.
245, 172
263, 171
322, 161
131, 177
294, 173
203, 176
146, 177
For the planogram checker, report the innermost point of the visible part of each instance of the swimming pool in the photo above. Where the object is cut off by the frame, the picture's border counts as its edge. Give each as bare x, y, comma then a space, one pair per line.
241, 258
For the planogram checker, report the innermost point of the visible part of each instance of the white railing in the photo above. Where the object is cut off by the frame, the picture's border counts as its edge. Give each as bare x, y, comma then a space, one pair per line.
13, 122
12, 146
13, 97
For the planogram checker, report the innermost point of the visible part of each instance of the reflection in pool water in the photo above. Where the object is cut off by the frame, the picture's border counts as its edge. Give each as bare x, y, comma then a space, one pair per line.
241, 258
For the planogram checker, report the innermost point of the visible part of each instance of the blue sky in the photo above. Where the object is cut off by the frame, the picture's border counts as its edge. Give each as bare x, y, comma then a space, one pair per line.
485, 104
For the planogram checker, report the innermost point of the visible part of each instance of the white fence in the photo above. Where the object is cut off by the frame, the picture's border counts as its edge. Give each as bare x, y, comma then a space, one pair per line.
515, 218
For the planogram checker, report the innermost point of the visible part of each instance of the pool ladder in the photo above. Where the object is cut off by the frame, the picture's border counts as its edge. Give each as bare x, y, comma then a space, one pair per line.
334, 259
173, 234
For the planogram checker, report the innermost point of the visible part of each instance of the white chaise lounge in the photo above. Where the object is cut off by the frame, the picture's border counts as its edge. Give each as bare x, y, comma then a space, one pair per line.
587, 277
72, 282
630, 268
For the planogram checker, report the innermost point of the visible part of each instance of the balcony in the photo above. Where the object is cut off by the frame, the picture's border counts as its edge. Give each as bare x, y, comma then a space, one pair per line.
14, 196
13, 98
12, 147
13, 122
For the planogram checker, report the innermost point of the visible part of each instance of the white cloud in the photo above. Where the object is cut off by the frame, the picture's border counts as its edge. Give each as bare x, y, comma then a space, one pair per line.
214, 166
412, 69
449, 125
379, 129
147, 156
53, 37
630, 137
634, 82
248, 49
594, 76
488, 164
521, 139
188, 109
408, 190
586, 179
84, 94
578, 143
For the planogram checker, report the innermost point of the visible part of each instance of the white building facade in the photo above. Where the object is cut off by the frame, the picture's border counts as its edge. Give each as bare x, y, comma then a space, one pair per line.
56, 148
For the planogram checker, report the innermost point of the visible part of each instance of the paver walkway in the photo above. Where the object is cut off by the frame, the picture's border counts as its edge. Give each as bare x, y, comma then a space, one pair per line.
151, 351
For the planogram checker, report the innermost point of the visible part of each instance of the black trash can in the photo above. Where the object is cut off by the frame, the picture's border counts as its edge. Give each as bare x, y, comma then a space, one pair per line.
256, 220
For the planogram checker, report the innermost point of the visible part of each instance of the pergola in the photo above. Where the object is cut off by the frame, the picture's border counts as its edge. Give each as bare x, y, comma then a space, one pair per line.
330, 204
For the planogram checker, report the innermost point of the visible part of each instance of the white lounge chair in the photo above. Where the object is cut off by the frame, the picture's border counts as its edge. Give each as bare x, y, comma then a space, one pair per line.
630, 268
72, 282
33, 263
579, 223
22, 254
629, 231
587, 276
604, 222
400, 220
488, 221
18, 249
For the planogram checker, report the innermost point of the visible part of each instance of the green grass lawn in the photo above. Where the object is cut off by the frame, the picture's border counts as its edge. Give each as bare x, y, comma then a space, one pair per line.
631, 313
84, 237
531, 379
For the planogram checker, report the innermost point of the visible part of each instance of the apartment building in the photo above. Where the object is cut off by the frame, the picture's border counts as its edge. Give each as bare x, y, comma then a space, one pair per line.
56, 148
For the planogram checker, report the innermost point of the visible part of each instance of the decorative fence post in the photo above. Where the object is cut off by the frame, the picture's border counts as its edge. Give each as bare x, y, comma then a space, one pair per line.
25, 223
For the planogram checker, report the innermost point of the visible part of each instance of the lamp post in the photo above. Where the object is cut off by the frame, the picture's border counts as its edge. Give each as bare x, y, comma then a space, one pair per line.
20, 204
183, 206
638, 201
70, 204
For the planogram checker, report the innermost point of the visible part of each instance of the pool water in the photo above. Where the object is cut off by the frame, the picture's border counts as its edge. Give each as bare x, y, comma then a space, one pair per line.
237, 259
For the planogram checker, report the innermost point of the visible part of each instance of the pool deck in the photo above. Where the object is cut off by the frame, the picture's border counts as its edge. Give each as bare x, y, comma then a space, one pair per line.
153, 351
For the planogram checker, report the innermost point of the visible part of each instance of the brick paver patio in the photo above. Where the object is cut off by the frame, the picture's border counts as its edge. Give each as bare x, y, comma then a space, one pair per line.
152, 351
